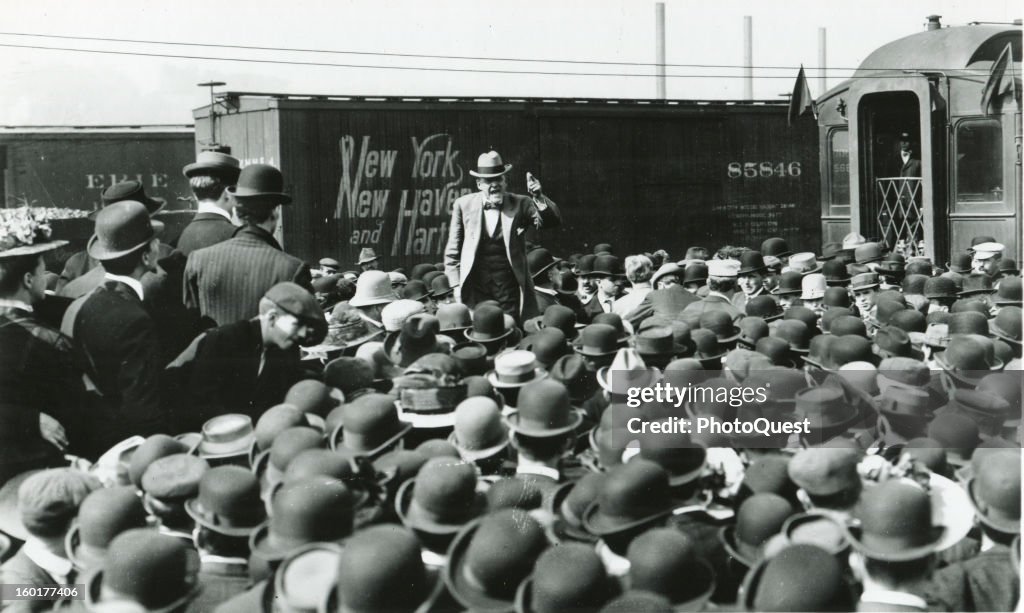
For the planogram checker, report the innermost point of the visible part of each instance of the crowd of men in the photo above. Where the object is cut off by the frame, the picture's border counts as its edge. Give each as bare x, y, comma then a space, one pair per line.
215, 424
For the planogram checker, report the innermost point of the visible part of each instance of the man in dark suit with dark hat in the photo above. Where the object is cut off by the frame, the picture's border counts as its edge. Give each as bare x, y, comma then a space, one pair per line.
486, 251
118, 337
245, 366
209, 177
226, 281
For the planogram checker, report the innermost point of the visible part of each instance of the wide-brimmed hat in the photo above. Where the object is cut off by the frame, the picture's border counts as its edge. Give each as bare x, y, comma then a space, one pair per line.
225, 436
544, 410
158, 572
490, 557
260, 183
216, 164
121, 228
442, 498
314, 509
490, 165
514, 369
228, 502
895, 523
635, 494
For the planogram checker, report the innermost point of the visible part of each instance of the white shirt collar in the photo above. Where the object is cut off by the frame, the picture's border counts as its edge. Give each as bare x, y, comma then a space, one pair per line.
891, 597
210, 207
130, 282
57, 567
720, 295
15, 304
616, 565
530, 467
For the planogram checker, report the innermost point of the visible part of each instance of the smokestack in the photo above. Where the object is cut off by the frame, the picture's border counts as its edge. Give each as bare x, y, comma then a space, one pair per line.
934, 22
659, 51
748, 58
822, 62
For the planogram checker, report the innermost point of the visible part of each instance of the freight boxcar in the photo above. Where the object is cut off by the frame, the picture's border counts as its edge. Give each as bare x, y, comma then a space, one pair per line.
68, 168
642, 174
955, 92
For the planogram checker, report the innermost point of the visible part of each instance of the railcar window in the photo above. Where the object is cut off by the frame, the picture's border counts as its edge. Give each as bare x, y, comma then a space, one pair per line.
979, 161
839, 172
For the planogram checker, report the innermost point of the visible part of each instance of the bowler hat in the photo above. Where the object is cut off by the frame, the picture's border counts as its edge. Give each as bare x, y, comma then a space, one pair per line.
488, 325
544, 410
758, 518
960, 262
272, 422
751, 262
214, 163
940, 288
157, 572
1009, 292
608, 266
830, 251
478, 432
121, 228
709, 351
415, 290
635, 494
848, 325
134, 191
798, 578
851, 348
722, 324
258, 184
909, 320
348, 374
835, 273
790, 282
104, 514
817, 528
893, 264
490, 557
453, 317
764, 307
228, 502
695, 272
825, 471
304, 511
489, 166
920, 266
287, 444
752, 329
682, 459
567, 504
539, 260
914, 284
775, 349
994, 490
836, 297
659, 344
1007, 325
548, 345
561, 317
659, 557
597, 340
895, 523
395, 580
775, 247
585, 265
981, 406
570, 577
796, 333
439, 286
603, 248
370, 426
967, 305
832, 314
804, 314
420, 270
571, 371
976, 284
895, 342
623, 328
1008, 266
965, 360
441, 499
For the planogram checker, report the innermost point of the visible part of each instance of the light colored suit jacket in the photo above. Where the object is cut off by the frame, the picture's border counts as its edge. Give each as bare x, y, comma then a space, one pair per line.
517, 216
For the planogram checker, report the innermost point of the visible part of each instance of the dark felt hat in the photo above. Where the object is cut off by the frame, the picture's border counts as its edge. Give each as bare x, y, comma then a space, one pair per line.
570, 577
216, 164
539, 260
314, 509
764, 307
131, 190
104, 514
441, 499
121, 228
635, 494
228, 502
895, 523
260, 184
823, 586
396, 580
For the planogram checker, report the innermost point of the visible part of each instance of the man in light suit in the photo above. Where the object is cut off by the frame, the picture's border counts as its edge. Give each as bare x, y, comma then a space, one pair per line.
486, 251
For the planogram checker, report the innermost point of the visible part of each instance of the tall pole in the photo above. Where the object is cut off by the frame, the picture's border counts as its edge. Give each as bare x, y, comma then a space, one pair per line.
659, 25
748, 58
822, 62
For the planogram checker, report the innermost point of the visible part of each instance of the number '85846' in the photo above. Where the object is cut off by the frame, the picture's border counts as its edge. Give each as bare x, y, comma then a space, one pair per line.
763, 170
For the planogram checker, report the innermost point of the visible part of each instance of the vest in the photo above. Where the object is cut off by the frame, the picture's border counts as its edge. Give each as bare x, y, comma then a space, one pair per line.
492, 272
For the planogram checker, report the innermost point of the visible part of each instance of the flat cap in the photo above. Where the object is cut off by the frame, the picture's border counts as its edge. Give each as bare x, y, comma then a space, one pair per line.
174, 476
295, 300
723, 268
49, 499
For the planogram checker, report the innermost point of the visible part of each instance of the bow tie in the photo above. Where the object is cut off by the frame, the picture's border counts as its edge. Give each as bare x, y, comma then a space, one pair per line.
488, 206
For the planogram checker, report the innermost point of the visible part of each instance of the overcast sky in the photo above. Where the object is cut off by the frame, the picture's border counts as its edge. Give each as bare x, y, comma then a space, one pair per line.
49, 87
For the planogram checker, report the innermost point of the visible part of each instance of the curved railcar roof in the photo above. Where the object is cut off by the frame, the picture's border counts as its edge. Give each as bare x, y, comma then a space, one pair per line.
942, 50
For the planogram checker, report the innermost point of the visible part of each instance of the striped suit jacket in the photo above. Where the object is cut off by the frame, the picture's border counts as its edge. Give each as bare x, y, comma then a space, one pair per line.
225, 282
